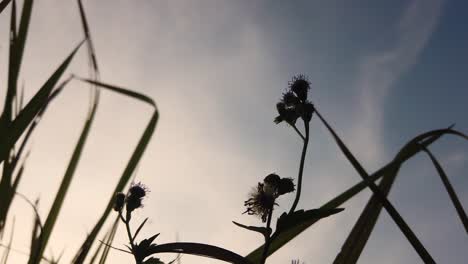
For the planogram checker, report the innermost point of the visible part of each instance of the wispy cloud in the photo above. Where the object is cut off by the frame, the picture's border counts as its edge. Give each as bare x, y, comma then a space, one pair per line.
378, 73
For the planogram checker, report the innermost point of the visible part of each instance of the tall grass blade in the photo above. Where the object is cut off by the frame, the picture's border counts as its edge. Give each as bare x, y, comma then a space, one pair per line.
109, 241
99, 247
26, 116
4, 4
7, 114
448, 186
6, 253
91, 50
66, 181
409, 150
357, 239
409, 234
127, 173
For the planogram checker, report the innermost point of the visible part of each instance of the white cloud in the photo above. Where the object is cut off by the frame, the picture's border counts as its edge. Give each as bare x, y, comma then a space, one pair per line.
379, 72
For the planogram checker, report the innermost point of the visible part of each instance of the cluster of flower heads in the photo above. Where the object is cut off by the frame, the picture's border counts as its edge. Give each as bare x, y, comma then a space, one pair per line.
132, 200
294, 103
262, 198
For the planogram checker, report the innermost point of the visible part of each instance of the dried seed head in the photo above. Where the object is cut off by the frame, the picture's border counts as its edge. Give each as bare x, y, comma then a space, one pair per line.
259, 203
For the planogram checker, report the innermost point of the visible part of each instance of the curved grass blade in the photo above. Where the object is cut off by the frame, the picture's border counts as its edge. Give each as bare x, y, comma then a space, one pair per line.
91, 50
6, 253
448, 186
405, 229
198, 249
66, 181
127, 173
9, 137
407, 151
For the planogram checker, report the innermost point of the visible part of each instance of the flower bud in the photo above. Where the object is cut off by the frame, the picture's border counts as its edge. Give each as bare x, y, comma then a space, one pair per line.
119, 201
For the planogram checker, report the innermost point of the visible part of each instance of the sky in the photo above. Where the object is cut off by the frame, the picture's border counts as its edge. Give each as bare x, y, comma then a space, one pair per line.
381, 73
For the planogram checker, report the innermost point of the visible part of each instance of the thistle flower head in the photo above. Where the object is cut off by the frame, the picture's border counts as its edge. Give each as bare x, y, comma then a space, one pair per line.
138, 190
262, 198
135, 196
259, 203
300, 85
290, 99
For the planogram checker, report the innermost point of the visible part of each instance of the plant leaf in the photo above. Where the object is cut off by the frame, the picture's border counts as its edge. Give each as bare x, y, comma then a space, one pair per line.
260, 229
405, 229
286, 221
67, 179
410, 149
130, 168
448, 186
139, 228
9, 137
198, 249
359, 235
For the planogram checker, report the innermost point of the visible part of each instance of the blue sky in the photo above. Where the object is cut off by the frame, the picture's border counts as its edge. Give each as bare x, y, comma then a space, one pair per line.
381, 72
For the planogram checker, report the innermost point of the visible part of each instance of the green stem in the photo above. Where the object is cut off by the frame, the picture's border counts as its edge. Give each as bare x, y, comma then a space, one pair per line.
267, 238
126, 220
298, 132
301, 167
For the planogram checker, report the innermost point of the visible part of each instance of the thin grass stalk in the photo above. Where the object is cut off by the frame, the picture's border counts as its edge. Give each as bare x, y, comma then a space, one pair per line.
267, 238
109, 241
448, 187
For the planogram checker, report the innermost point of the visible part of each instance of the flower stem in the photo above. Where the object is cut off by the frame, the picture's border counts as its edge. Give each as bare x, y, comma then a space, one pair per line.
126, 220
298, 132
301, 167
267, 238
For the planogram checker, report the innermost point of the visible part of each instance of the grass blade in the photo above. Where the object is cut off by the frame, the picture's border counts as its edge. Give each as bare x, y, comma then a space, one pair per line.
198, 249
448, 186
409, 150
4, 4
109, 241
359, 235
66, 181
10, 243
127, 173
27, 115
91, 50
409, 234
